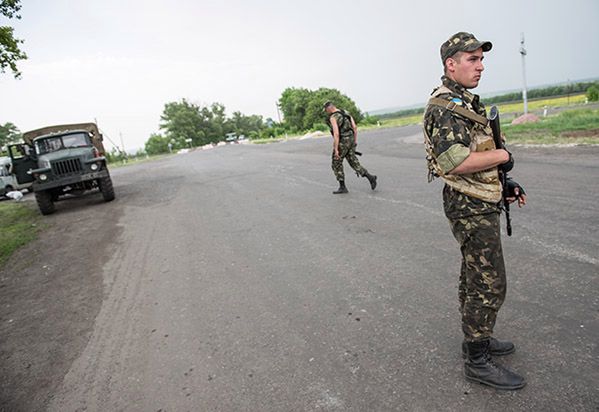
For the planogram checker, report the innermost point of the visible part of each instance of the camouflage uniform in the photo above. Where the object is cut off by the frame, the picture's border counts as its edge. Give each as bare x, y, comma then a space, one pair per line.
474, 222
347, 148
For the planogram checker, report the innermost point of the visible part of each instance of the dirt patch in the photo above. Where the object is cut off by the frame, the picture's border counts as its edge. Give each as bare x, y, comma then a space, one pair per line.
526, 118
582, 133
50, 293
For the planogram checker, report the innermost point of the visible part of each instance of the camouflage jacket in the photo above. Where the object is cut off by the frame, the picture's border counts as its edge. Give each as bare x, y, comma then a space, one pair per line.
343, 119
451, 135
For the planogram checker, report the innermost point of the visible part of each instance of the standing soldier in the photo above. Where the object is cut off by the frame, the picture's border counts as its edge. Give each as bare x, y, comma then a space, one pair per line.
460, 150
345, 139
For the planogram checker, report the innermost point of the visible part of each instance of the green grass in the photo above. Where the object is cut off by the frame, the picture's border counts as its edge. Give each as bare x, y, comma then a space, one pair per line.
19, 223
402, 121
555, 129
136, 160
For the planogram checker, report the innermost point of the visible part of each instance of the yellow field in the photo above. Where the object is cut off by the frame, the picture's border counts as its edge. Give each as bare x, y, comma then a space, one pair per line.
503, 108
540, 104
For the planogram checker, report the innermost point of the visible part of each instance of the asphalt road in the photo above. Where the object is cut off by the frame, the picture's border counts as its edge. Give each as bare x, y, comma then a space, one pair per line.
233, 280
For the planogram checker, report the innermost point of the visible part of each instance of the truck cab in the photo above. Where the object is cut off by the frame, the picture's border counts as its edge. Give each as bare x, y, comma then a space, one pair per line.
60, 160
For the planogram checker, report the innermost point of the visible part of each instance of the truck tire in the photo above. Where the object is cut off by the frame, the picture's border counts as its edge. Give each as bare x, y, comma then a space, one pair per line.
44, 202
105, 184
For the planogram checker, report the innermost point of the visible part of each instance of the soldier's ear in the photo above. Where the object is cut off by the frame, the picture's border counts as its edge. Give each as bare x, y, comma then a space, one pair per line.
450, 65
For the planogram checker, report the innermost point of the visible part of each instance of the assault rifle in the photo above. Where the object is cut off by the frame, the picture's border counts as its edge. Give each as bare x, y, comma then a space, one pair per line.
495, 127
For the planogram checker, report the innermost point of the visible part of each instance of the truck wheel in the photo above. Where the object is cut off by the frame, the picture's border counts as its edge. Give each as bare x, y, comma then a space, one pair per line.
105, 184
44, 202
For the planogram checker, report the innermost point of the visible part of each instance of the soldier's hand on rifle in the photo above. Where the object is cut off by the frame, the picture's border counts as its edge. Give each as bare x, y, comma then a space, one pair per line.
509, 165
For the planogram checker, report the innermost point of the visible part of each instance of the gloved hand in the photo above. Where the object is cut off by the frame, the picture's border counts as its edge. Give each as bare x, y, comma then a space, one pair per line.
513, 191
511, 186
509, 165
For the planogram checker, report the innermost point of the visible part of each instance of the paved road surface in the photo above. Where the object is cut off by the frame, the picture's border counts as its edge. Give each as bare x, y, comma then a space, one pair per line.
233, 280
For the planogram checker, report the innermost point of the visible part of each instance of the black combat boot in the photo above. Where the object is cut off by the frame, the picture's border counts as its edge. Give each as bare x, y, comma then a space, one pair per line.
496, 348
342, 188
479, 367
371, 179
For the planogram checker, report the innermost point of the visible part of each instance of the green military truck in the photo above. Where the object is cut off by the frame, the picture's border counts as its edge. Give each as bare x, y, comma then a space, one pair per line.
60, 160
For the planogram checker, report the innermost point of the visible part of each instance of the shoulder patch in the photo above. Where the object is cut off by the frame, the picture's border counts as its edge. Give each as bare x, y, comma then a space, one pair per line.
457, 100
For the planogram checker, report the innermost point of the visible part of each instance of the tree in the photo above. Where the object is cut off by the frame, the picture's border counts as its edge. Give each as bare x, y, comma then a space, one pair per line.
156, 144
302, 108
593, 93
184, 120
293, 103
10, 52
9, 133
245, 125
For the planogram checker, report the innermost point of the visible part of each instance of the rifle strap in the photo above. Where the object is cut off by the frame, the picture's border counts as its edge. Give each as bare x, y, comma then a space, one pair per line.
462, 111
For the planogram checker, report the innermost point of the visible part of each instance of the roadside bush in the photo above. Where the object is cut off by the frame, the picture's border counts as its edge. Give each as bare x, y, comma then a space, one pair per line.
369, 120
593, 93
320, 127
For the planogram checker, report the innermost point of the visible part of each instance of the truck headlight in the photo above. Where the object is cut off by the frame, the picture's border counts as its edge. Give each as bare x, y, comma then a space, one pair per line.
43, 177
94, 166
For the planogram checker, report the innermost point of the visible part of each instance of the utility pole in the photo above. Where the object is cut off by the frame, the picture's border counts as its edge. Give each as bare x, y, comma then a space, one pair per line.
116, 146
123, 147
279, 116
523, 54
278, 112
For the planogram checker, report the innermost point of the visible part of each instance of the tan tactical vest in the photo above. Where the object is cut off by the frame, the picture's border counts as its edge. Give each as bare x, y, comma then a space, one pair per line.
483, 185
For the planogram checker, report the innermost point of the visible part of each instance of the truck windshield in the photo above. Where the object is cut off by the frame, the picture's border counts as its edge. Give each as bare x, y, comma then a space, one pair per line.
53, 144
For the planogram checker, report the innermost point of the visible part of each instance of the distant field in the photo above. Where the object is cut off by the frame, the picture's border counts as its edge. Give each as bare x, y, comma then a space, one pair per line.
568, 127
534, 105
554, 129
397, 121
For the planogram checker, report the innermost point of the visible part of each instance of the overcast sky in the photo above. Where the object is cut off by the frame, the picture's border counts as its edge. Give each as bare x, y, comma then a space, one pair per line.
120, 61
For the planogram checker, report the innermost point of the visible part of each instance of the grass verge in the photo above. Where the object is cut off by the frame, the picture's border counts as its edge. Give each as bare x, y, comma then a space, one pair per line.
20, 225
267, 141
569, 127
137, 160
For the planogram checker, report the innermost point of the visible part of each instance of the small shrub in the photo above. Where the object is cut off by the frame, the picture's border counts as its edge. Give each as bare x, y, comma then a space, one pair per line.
593, 93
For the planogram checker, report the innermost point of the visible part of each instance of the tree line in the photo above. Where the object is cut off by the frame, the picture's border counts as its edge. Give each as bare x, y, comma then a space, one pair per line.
185, 124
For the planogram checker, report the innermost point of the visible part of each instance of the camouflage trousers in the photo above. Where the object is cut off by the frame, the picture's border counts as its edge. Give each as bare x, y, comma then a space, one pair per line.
347, 150
482, 285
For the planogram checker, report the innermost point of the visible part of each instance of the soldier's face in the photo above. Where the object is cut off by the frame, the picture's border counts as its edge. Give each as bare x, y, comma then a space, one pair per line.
467, 68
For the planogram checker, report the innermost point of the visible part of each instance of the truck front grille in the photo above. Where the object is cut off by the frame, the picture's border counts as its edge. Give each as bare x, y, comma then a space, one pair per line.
66, 167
